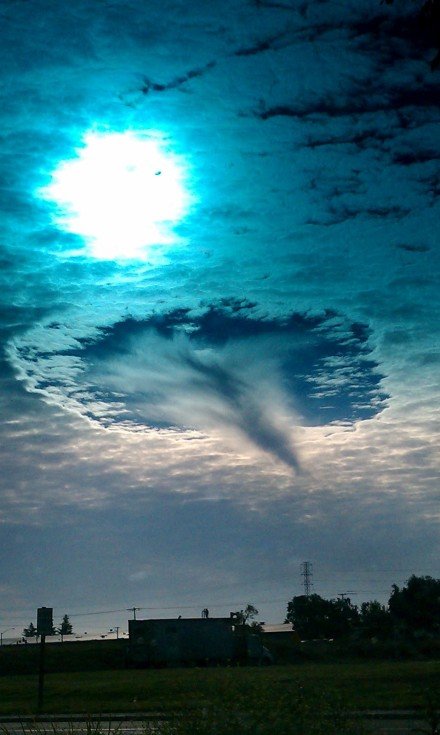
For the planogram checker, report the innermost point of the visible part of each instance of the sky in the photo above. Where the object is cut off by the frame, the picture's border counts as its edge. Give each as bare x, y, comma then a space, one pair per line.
219, 305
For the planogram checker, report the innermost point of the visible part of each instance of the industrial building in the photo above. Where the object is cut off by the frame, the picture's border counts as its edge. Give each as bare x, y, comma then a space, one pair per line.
193, 641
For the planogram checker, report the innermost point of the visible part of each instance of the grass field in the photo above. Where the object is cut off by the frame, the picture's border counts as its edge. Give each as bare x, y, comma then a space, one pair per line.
64, 657
371, 685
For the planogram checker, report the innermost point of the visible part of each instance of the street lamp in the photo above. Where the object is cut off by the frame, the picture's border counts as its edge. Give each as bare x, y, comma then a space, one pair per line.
1, 634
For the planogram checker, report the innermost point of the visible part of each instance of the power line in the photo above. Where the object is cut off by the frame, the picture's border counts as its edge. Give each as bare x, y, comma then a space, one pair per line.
97, 612
192, 606
307, 573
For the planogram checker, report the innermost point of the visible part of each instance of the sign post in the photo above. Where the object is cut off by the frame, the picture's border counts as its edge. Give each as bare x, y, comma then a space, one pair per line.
44, 628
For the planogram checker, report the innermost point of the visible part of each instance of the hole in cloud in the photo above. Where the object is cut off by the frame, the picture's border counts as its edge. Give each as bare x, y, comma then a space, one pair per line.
223, 370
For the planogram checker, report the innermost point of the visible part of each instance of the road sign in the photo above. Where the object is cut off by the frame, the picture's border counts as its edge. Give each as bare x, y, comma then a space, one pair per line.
45, 621
44, 628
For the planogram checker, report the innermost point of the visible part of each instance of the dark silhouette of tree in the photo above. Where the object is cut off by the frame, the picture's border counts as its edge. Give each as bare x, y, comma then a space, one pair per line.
65, 628
30, 631
416, 607
247, 615
314, 617
413, 612
375, 620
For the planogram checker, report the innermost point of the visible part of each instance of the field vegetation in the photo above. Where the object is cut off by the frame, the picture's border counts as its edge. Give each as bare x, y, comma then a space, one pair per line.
351, 686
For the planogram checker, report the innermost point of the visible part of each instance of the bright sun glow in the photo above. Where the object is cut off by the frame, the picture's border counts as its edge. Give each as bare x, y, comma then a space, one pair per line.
122, 193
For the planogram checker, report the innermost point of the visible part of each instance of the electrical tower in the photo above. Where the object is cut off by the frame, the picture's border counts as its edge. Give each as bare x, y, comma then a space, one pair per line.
307, 574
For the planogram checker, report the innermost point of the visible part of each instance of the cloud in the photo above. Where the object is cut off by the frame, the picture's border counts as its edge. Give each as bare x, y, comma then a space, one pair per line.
224, 391
145, 573
296, 327
222, 371
168, 382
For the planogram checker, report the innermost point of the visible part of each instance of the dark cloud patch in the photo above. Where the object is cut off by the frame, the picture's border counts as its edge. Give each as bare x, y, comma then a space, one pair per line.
362, 102
395, 212
407, 33
266, 44
410, 248
411, 158
390, 38
387, 35
339, 213
230, 320
150, 86
362, 139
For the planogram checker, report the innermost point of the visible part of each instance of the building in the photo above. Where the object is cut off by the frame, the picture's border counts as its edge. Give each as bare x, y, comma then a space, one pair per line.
282, 641
193, 641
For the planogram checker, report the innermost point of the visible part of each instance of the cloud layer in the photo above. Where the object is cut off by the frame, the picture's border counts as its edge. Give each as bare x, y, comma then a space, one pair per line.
292, 324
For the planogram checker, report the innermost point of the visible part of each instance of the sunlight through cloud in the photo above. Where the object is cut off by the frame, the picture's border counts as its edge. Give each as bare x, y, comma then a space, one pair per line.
122, 193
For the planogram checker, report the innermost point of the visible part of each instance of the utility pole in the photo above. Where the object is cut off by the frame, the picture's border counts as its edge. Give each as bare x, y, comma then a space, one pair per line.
343, 595
133, 609
307, 574
44, 628
41, 673
2, 634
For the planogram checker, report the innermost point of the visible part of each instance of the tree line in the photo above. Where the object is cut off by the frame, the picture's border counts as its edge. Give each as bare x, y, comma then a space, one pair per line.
412, 611
64, 628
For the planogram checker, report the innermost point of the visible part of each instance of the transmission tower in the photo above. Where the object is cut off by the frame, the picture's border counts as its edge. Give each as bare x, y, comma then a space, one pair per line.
307, 574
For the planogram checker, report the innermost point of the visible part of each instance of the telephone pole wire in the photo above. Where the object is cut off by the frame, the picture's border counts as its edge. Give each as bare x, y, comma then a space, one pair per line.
344, 595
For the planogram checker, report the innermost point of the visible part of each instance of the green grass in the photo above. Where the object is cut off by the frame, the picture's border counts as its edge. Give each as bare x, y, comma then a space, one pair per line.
63, 657
372, 685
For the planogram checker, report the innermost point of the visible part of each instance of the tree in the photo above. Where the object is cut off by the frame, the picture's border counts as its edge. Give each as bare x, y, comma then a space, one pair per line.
30, 632
65, 627
250, 613
375, 620
243, 616
416, 607
345, 616
314, 617
247, 617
